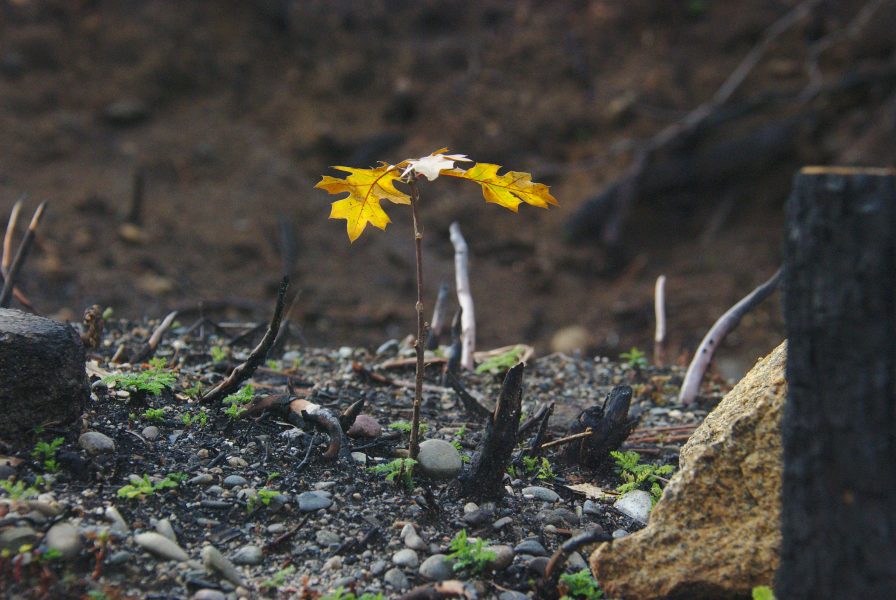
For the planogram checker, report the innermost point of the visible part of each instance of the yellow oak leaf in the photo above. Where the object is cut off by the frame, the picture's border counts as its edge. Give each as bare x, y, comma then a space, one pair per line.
366, 188
507, 190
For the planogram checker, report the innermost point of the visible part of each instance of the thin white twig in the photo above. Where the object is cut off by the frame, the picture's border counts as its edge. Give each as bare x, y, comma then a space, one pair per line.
690, 387
659, 310
464, 296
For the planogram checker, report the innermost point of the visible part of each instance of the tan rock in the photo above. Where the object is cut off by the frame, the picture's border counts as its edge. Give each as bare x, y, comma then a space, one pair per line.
716, 531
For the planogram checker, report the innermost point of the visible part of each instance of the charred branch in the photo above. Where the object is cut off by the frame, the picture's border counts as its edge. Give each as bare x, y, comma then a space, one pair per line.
610, 425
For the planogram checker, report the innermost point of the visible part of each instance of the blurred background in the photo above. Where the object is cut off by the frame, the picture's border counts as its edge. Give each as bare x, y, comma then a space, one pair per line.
178, 145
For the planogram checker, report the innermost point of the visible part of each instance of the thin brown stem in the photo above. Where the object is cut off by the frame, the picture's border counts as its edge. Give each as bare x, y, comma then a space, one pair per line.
414, 445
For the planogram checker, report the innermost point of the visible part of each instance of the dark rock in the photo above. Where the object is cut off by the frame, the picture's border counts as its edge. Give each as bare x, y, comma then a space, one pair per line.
42, 376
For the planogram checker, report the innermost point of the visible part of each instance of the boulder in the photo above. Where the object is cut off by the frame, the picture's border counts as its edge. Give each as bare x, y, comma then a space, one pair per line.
716, 531
42, 376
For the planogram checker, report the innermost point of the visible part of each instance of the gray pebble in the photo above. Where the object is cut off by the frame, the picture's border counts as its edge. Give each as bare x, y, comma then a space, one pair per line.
396, 579
502, 522
248, 555
112, 515
234, 481
437, 567
532, 547
503, 557
13, 538
620, 533
312, 501
378, 567
63, 537
215, 561
150, 433
159, 545
276, 528
202, 479
406, 558
575, 563
439, 459
478, 517
119, 558
208, 594
327, 538
95, 443
164, 527
591, 508
541, 493
635, 504
512, 595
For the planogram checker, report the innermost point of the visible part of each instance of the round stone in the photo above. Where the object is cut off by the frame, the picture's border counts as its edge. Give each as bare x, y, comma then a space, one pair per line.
531, 547
95, 443
437, 567
396, 579
312, 501
439, 459
158, 544
405, 558
150, 433
364, 426
235, 481
248, 555
503, 557
540, 493
635, 504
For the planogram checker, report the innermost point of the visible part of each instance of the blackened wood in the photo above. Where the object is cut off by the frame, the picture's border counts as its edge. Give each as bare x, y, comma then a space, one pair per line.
486, 476
438, 326
21, 254
472, 406
838, 513
610, 426
42, 376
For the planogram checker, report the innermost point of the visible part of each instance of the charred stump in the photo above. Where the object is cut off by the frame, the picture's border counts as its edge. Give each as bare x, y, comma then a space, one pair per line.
486, 476
838, 513
42, 376
610, 425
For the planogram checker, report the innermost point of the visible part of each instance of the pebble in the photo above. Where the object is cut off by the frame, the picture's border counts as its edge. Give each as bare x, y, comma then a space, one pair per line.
470, 507
359, 457
635, 504
502, 522
215, 561
345, 352
503, 557
478, 517
541, 493
406, 558
591, 508
13, 538
237, 462
208, 594
364, 426
119, 558
620, 533
324, 485
312, 501
113, 516
437, 567
150, 433
512, 595
439, 459
276, 528
396, 579
248, 555
158, 544
164, 527
202, 479
378, 567
95, 443
334, 563
415, 542
531, 547
575, 562
235, 481
327, 538
6, 471
560, 517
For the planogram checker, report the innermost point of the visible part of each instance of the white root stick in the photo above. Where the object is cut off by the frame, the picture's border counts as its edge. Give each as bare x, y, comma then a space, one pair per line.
659, 309
464, 297
690, 387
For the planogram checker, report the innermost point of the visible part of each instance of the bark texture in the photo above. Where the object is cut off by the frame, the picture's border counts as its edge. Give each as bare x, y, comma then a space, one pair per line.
839, 428
42, 376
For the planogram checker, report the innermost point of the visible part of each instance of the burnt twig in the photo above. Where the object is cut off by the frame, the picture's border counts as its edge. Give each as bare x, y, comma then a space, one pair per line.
535, 447
454, 353
474, 408
348, 416
256, 357
690, 387
610, 426
493, 455
21, 255
437, 327
548, 584
149, 348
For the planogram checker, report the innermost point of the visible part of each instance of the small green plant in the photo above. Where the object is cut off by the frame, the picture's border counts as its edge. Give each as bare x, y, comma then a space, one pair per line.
156, 415
273, 364
237, 401
46, 453
297, 362
341, 594
399, 470
199, 419
367, 188
107, 314
145, 487
461, 432
540, 467
263, 497
579, 585
636, 474
151, 381
273, 475
278, 579
470, 555
18, 490
501, 363
460, 450
194, 392
635, 358
405, 427
218, 353
763, 592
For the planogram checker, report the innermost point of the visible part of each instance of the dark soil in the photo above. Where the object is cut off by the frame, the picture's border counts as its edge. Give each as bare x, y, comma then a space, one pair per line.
231, 111
269, 453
